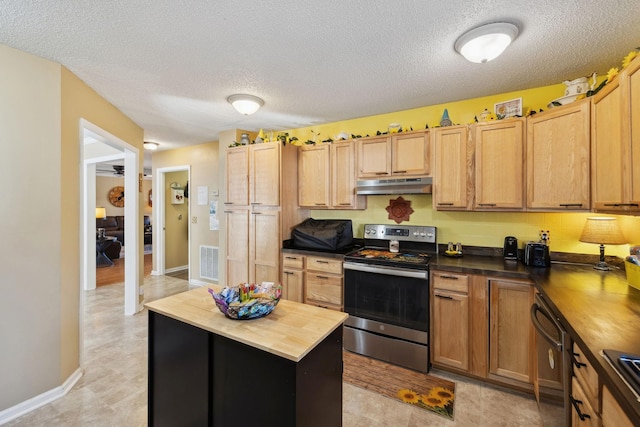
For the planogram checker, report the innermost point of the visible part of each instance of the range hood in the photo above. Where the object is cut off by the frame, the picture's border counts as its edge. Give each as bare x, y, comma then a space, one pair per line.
394, 186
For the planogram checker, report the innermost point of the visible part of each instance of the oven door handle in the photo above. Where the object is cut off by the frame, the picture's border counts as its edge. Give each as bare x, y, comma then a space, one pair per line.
535, 308
419, 274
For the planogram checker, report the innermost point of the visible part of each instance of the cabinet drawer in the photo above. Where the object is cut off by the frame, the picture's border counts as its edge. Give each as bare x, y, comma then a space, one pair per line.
450, 282
587, 376
323, 289
325, 265
293, 261
587, 417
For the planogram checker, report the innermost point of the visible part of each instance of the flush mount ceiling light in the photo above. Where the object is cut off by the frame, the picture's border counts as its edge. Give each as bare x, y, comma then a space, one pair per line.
487, 42
245, 104
151, 146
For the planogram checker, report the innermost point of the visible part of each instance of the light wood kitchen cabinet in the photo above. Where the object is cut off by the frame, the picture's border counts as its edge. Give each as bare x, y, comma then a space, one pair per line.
328, 177
293, 277
323, 282
511, 334
459, 322
314, 169
260, 209
584, 391
615, 143
400, 154
612, 414
452, 182
499, 165
587, 417
558, 176
237, 233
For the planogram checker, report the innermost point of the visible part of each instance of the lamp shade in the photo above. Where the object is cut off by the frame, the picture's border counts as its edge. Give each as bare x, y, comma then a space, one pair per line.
602, 230
101, 213
245, 104
482, 44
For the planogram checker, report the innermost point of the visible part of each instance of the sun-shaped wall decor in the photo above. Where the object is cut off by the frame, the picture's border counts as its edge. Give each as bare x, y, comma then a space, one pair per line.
399, 209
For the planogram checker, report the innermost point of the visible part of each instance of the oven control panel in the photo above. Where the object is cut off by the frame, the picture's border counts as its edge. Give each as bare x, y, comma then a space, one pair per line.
412, 233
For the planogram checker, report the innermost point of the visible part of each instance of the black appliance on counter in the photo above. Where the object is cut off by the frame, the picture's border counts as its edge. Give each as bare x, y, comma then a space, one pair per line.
536, 254
510, 249
323, 234
386, 294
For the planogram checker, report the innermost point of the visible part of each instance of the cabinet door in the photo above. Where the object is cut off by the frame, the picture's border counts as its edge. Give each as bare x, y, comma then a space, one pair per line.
292, 285
410, 154
499, 157
453, 168
324, 290
374, 157
631, 125
558, 158
582, 413
264, 174
450, 338
264, 250
237, 159
237, 234
608, 151
510, 330
612, 414
314, 179
343, 177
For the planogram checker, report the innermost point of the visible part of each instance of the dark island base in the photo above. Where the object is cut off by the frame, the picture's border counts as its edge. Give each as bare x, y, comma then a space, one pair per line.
197, 378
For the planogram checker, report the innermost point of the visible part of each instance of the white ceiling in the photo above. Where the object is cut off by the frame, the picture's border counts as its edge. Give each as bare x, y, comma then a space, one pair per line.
169, 65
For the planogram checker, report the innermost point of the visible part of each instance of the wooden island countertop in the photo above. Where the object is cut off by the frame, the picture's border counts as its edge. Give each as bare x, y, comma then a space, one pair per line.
290, 331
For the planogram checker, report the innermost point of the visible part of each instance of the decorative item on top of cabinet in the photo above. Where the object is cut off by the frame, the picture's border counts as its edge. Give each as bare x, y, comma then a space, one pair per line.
499, 165
452, 182
398, 154
615, 143
558, 158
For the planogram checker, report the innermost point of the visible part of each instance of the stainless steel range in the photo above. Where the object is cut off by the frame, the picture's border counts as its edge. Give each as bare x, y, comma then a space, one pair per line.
386, 294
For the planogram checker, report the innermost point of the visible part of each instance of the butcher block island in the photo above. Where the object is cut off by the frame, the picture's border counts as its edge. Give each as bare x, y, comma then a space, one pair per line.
284, 369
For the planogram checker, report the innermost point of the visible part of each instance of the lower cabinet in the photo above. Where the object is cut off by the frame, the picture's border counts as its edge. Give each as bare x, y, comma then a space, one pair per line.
585, 398
612, 414
511, 334
582, 413
323, 282
480, 327
293, 277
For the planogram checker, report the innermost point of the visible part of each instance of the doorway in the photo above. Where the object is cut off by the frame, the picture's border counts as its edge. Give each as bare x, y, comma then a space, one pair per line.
98, 145
172, 225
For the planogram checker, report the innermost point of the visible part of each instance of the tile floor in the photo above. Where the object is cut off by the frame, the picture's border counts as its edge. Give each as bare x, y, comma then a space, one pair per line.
113, 389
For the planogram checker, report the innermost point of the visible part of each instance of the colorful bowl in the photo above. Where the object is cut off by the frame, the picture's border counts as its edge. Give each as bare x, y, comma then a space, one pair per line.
229, 302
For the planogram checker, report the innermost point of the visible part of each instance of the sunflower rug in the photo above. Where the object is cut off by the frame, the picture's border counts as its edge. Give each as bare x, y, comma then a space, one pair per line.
415, 388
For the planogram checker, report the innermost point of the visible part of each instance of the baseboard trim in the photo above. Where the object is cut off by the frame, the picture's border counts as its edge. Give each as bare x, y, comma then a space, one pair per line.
171, 270
40, 400
196, 282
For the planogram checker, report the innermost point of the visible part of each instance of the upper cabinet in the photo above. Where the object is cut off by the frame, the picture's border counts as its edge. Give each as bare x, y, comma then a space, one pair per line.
499, 164
327, 176
400, 154
452, 186
253, 175
615, 143
558, 158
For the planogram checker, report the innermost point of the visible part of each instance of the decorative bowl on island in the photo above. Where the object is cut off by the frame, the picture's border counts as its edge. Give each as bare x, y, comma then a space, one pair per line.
247, 301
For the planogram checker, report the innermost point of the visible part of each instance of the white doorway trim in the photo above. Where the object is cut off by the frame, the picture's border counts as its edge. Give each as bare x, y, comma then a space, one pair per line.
159, 205
131, 155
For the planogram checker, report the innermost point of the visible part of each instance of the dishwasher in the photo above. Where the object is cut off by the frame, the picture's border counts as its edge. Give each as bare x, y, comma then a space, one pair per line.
552, 379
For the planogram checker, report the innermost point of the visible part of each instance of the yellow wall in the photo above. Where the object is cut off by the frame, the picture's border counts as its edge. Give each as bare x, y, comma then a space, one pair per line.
105, 183
469, 228
204, 163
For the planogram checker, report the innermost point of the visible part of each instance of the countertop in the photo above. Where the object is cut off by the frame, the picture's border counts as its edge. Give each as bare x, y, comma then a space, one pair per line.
290, 331
598, 309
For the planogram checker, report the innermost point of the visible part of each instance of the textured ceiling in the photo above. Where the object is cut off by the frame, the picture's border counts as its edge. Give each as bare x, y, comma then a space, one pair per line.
169, 65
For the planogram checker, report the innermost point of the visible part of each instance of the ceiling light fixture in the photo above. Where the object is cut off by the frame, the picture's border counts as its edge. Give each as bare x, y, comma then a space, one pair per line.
151, 146
245, 104
482, 44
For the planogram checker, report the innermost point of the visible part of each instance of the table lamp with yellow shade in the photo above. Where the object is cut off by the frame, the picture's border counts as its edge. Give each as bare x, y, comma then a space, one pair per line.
602, 231
101, 213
